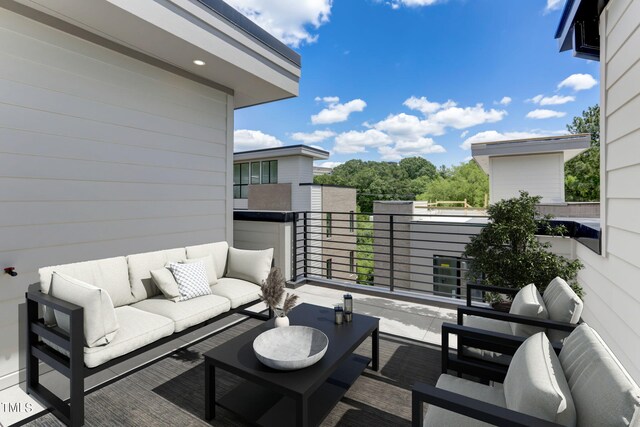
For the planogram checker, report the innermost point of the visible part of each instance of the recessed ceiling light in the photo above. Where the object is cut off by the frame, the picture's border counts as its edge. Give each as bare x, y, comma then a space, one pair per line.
199, 62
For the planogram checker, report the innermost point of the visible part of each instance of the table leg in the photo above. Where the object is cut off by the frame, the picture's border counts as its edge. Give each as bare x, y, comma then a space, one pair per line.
375, 349
302, 412
209, 391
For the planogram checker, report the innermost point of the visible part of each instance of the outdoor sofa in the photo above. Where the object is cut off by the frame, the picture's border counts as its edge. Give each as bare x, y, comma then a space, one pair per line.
582, 385
100, 313
556, 312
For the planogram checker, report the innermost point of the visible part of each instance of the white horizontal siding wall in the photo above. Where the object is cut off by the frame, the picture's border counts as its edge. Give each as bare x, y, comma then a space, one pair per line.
540, 175
611, 281
100, 155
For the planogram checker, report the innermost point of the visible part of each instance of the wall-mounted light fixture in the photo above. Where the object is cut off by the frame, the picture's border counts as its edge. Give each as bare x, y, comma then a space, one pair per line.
11, 271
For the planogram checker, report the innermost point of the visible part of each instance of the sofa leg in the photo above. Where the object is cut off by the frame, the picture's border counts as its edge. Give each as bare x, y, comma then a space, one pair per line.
76, 379
32, 365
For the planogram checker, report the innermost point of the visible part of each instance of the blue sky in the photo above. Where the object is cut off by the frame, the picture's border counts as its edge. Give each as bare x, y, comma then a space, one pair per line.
400, 78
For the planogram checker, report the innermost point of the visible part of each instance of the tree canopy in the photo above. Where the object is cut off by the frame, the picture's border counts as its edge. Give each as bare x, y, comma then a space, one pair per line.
582, 173
466, 181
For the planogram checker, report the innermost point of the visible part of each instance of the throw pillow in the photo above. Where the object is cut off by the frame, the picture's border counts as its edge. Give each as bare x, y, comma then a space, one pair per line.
100, 323
164, 280
535, 383
252, 266
191, 278
528, 302
209, 266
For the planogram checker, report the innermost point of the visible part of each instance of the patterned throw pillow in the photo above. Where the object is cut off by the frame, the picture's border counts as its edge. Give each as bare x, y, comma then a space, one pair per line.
192, 279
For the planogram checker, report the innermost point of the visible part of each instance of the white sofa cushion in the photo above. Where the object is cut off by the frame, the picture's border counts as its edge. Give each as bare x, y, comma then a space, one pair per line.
164, 280
563, 305
137, 329
185, 313
528, 302
237, 291
535, 384
252, 266
219, 252
492, 325
438, 417
110, 274
140, 266
191, 278
210, 267
100, 324
603, 392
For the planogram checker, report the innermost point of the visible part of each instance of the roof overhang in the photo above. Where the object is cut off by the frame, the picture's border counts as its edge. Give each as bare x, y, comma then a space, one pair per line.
569, 145
291, 150
239, 56
578, 29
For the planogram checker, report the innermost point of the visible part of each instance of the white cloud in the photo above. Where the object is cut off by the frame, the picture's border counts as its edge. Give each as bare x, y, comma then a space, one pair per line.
358, 142
425, 106
461, 118
506, 100
545, 114
287, 20
329, 164
578, 82
245, 139
313, 137
395, 4
463, 134
336, 112
408, 126
327, 99
553, 5
492, 135
403, 149
551, 100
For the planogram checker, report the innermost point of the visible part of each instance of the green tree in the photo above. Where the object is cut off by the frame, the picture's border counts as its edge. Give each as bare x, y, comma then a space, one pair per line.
466, 181
382, 180
582, 173
507, 253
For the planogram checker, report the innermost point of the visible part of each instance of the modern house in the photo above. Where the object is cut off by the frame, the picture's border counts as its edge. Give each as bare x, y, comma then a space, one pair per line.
116, 131
281, 179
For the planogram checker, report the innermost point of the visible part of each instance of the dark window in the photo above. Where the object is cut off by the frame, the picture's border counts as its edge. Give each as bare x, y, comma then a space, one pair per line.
329, 262
328, 225
446, 276
270, 172
351, 222
255, 172
241, 181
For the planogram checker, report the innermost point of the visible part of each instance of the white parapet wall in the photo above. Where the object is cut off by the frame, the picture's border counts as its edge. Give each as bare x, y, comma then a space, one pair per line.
263, 235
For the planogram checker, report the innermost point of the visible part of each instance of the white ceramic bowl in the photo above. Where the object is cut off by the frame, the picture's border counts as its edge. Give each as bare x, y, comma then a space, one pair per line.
289, 348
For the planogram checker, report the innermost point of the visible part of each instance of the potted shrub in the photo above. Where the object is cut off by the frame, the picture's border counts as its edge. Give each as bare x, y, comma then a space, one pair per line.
507, 253
273, 295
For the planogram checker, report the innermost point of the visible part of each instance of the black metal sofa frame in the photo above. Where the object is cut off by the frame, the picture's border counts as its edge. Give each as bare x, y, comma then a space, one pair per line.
73, 367
485, 371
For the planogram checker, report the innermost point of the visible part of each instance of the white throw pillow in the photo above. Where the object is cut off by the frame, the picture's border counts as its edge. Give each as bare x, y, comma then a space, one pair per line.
192, 279
164, 280
528, 302
535, 383
252, 266
100, 323
209, 266
563, 305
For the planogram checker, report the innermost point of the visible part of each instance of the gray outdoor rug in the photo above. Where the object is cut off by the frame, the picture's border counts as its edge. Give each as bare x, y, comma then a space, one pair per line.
170, 392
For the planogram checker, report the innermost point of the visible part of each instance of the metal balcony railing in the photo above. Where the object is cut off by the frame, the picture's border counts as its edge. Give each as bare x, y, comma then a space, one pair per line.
387, 251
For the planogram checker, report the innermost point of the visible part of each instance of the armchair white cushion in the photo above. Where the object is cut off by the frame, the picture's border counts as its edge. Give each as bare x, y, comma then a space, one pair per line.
100, 323
252, 266
528, 302
563, 305
535, 384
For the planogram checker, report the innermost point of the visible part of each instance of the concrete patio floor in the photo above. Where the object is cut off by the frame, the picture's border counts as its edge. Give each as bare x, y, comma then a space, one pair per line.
420, 322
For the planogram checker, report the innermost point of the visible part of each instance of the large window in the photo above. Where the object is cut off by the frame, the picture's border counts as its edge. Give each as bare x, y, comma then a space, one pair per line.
328, 225
241, 181
329, 265
270, 172
245, 174
446, 276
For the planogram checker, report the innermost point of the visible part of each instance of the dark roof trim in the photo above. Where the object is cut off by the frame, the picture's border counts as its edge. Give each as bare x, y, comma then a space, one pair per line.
578, 29
284, 147
265, 216
240, 21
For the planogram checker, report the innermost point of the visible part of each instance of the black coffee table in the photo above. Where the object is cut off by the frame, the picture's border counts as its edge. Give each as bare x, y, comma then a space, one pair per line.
298, 398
